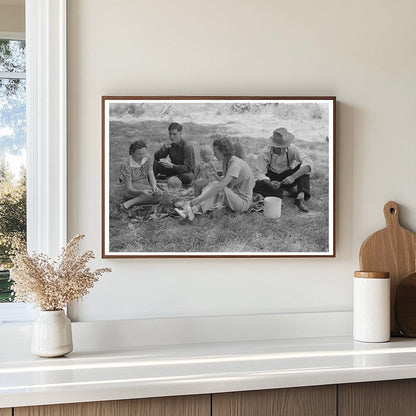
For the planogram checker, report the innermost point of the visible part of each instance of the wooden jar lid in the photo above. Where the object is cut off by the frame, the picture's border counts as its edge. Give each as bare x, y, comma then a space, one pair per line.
372, 275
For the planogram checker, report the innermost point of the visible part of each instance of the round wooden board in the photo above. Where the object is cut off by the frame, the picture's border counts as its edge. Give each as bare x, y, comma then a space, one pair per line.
405, 305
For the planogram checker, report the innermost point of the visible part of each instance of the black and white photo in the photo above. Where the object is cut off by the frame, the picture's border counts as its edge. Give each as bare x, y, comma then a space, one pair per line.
218, 176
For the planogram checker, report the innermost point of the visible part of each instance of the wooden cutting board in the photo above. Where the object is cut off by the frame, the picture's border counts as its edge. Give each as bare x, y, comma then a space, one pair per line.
393, 250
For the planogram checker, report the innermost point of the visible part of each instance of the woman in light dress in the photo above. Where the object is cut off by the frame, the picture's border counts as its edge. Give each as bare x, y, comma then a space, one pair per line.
137, 177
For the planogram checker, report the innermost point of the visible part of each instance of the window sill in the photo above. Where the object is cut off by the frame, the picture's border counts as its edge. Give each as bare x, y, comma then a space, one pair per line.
16, 313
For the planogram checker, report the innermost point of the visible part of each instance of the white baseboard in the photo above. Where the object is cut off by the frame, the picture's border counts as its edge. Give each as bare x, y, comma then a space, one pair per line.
111, 335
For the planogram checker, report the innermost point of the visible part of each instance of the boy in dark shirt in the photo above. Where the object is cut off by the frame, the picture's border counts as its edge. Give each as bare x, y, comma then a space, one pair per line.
181, 155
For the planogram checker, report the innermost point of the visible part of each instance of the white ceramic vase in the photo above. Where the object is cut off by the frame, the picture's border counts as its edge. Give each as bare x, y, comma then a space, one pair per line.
52, 334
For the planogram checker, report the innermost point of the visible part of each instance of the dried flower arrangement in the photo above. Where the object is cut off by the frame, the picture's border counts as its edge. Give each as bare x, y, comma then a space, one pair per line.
53, 285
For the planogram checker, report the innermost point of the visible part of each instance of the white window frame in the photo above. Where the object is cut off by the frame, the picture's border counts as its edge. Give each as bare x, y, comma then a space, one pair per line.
46, 133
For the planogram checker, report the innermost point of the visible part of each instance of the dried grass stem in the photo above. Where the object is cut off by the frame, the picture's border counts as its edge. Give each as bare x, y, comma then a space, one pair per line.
53, 285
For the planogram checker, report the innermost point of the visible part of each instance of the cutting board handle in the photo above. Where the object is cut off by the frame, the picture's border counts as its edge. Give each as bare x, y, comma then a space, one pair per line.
391, 214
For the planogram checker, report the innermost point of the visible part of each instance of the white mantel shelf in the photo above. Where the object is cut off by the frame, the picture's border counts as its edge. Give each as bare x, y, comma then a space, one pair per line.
167, 370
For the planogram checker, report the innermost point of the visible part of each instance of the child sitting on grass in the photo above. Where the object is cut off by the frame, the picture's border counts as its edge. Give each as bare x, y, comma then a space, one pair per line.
205, 172
173, 197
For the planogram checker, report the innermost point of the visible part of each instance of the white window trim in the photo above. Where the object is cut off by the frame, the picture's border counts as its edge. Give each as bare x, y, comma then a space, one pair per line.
13, 75
12, 35
46, 125
46, 133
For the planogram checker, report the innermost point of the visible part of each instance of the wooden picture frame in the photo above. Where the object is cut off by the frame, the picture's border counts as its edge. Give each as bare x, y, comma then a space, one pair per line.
135, 227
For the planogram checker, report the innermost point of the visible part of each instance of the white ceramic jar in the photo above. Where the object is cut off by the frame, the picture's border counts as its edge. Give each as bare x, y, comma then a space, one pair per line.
371, 309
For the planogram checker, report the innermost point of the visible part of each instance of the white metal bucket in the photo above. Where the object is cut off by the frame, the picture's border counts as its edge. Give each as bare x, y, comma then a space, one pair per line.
272, 207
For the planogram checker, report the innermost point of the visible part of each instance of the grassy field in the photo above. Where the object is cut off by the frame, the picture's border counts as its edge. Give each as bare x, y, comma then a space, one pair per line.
248, 232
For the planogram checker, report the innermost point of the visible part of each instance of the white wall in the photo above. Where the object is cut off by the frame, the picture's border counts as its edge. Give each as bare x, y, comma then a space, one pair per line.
12, 18
363, 52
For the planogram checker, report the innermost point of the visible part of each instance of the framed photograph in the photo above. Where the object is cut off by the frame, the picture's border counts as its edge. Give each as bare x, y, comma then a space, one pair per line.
218, 176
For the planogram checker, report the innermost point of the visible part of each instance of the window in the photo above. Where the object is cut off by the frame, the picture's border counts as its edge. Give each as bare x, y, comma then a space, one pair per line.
12, 165
12, 153
46, 135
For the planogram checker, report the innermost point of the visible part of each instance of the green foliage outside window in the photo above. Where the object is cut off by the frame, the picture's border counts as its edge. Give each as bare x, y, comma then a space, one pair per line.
12, 223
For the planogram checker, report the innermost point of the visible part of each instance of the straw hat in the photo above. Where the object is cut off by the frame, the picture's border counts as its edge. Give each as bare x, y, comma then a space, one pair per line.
281, 138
